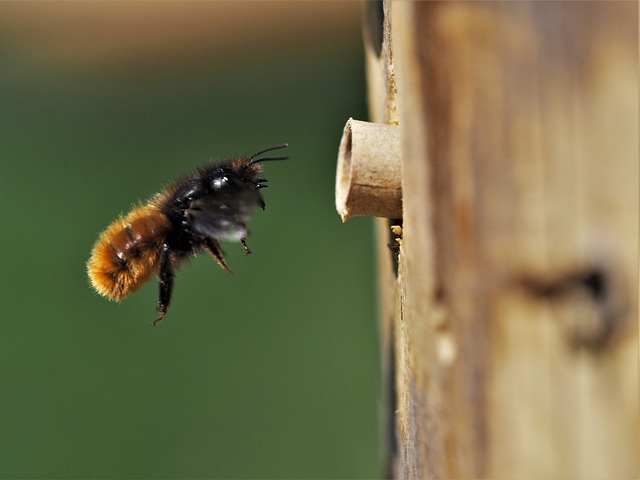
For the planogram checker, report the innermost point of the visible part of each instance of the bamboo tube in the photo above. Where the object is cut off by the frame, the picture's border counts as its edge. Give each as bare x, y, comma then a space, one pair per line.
368, 178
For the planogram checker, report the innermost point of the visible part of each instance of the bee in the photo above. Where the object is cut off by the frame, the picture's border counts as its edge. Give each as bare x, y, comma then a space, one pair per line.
192, 214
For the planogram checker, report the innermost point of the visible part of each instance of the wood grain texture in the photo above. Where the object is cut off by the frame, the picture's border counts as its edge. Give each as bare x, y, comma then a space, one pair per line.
510, 332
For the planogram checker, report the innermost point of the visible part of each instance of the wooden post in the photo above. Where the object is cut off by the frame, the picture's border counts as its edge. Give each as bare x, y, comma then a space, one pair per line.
509, 312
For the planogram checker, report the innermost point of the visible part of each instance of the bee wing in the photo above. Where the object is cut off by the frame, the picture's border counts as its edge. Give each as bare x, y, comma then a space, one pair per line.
223, 215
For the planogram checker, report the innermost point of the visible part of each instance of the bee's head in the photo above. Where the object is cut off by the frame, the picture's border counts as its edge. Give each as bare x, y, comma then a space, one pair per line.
250, 168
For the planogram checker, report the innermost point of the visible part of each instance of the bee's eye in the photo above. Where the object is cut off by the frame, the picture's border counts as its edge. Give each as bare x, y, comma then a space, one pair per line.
219, 182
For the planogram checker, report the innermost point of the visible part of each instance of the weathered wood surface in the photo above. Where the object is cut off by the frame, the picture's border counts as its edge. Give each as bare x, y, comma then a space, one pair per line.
510, 332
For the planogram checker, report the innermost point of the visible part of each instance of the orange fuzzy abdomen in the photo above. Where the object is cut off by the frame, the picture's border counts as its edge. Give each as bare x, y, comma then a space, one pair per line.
126, 255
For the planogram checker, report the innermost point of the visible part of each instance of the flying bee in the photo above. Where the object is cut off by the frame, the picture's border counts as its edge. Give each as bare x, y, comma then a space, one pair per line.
192, 214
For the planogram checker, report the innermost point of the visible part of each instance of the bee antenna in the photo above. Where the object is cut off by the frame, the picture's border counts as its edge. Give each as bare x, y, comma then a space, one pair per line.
252, 159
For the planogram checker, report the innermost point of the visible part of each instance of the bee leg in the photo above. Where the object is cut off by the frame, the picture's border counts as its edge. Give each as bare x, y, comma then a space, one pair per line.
153, 324
214, 248
244, 240
165, 275
245, 246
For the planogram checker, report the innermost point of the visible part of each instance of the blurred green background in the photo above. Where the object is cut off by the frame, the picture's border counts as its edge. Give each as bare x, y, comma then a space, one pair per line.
271, 372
